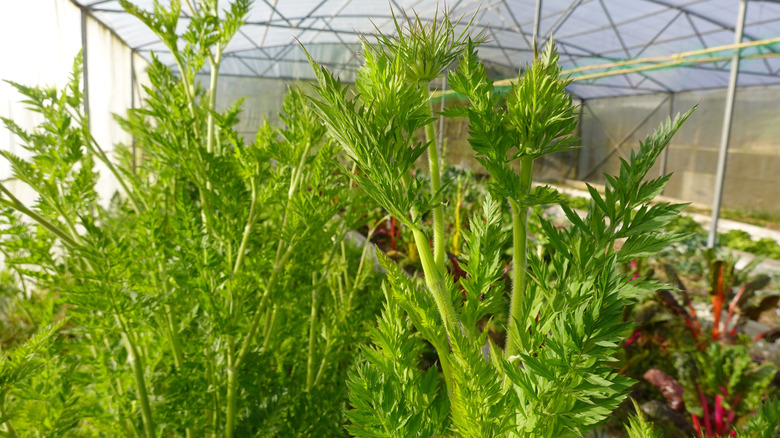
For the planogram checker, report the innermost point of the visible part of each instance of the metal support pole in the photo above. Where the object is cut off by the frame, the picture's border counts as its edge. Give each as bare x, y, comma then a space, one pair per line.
132, 102
85, 65
728, 114
537, 18
574, 171
665, 153
441, 120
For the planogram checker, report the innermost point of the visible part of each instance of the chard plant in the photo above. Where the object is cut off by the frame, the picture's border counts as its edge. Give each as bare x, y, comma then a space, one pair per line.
216, 295
554, 376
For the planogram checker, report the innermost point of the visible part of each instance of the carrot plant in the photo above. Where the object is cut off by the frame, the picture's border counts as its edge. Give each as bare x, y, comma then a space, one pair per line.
554, 377
216, 295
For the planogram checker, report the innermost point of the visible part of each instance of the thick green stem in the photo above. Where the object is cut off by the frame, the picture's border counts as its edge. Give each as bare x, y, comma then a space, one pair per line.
519, 256
15, 203
312, 329
232, 384
439, 250
359, 273
140, 379
434, 279
215, 62
187, 89
10, 431
173, 337
250, 222
268, 328
213, 408
282, 254
93, 145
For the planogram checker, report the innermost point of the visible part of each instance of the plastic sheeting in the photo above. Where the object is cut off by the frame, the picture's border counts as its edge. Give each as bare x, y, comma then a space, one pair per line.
612, 127
587, 31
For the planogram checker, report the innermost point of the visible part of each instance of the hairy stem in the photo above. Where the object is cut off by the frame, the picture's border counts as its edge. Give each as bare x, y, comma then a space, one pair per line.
312, 329
232, 390
136, 362
268, 328
16, 204
10, 431
173, 337
282, 254
250, 222
434, 279
212, 409
187, 89
215, 62
519, 256
93, 146
361, 263
438, 211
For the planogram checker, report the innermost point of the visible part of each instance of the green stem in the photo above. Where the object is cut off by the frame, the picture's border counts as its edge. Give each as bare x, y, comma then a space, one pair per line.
212, 409
93, 145
435, 281
140, 380
346, 266
519, 256
359, 273
187, 89
312, 328
232, 383
439, 250
323, 363
250, 222
282, 255
10, 431
173, 337
17, 204
215, 62
268, 328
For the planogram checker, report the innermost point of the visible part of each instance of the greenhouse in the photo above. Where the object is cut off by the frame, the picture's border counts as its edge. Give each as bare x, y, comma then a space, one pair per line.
403, 218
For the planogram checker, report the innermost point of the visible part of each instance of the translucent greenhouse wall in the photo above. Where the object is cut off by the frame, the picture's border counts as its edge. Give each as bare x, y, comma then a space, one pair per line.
610, 127
42, 37
459, 153
262, 98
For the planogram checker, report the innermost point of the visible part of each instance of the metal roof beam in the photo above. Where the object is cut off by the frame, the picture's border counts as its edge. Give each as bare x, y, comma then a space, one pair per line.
519, 27
705, 18
565, 16
658, 34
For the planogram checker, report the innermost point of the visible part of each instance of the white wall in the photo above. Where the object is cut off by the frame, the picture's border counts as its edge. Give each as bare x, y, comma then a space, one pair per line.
40, 39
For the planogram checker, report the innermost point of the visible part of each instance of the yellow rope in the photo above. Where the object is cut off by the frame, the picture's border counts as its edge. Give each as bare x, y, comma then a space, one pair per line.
655, 63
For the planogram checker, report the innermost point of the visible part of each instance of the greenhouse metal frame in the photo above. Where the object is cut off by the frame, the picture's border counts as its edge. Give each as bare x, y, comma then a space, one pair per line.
610, 47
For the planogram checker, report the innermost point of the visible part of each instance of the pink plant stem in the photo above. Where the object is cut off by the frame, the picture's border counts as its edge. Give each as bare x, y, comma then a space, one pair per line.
719, 414
733, 304
696, 425
706, 409
695, 319
759, 336
635, 267
633, 338
733, 412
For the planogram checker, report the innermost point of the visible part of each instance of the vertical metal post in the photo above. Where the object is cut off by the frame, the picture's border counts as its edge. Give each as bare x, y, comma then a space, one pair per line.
85, 65
665, 153
574, 172
132, 102
441, 119
728, 114
537, 18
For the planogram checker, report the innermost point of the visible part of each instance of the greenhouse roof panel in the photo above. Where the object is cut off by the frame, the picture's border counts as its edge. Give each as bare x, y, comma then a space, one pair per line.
617, 35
